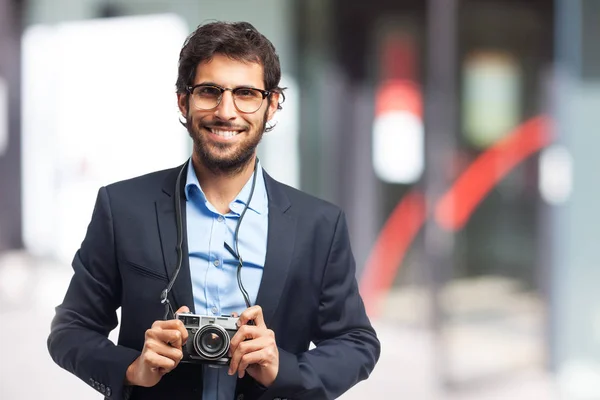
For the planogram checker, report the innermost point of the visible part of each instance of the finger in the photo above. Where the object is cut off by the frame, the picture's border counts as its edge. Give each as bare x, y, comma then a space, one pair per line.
245, 348
168, 324
184, 335
253, 313
235, 315
158, 362
172, 354
172, 324
246, 332
180, 326
163, 349
256, 357
182, 309
182, 331
170, 337
159, 371
166, 343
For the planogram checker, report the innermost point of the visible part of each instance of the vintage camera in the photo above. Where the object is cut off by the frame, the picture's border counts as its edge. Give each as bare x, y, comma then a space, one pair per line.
209, 338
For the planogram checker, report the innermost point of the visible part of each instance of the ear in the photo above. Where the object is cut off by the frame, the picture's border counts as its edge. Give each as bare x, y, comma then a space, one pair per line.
182, 103
273, 104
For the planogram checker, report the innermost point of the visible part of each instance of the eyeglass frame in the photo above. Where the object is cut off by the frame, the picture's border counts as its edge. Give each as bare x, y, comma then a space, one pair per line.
265, 94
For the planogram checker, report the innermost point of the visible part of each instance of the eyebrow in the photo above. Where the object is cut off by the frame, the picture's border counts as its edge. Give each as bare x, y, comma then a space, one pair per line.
235, 87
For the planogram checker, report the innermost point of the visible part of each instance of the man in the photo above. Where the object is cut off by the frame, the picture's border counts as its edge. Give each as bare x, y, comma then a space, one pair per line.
216, 236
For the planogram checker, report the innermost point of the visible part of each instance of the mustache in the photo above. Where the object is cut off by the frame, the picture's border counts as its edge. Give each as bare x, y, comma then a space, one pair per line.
226, 126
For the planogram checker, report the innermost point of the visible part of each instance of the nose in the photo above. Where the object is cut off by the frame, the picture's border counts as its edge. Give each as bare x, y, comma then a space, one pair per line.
226, 109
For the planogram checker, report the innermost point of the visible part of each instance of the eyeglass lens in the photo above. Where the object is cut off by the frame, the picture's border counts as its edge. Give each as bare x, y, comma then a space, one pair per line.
247, 100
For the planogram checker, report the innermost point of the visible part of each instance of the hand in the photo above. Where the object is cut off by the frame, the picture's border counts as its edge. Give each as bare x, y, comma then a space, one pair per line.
253, 348
162, 352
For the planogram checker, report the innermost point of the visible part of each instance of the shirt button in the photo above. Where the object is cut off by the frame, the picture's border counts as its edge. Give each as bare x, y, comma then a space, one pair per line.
214, 310
217, 263
220, 218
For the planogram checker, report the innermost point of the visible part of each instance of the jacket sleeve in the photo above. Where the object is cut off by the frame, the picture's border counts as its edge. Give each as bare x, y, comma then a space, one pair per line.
347, 347
78, 340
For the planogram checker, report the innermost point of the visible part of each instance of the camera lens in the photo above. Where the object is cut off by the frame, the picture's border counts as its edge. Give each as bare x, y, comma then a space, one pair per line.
211, 342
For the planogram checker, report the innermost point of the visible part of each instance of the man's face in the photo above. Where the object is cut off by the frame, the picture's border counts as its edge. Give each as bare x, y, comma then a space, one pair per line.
225, 139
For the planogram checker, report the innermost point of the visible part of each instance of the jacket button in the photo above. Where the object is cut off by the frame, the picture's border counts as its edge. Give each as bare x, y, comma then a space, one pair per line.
108, 392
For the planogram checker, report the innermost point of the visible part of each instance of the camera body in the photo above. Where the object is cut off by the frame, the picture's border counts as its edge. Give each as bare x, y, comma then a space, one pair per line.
209, 338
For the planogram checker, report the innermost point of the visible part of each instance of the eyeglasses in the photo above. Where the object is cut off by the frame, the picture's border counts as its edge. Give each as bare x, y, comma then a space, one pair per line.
247, 100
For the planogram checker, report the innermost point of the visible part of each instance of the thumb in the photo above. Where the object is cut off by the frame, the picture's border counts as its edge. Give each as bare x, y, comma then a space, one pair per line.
183, 309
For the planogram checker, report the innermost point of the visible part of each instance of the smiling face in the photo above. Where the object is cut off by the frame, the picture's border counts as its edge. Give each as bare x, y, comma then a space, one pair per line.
225, 139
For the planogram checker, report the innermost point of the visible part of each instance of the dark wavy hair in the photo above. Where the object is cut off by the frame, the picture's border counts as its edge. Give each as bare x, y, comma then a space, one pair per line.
237, 40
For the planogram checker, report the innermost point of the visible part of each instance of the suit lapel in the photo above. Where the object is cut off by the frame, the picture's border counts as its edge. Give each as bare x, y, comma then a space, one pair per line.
280, 245
280, 248
181, 291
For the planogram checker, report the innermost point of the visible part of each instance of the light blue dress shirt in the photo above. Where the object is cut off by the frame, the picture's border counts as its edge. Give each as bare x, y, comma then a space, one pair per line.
214, 270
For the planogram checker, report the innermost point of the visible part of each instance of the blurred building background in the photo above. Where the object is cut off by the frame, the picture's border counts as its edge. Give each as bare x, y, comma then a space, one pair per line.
460, 136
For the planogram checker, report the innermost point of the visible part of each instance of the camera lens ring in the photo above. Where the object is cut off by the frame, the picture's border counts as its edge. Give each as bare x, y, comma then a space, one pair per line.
213, 329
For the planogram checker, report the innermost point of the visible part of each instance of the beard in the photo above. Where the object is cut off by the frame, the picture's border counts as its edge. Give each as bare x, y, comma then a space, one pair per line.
225, 158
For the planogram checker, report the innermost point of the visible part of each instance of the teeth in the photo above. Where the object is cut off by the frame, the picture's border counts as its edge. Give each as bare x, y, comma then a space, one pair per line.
225, 134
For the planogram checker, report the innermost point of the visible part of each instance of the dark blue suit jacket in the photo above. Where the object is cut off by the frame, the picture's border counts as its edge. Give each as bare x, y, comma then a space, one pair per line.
308, 293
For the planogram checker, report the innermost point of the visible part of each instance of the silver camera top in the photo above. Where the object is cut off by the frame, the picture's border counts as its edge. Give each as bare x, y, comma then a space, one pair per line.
196, 321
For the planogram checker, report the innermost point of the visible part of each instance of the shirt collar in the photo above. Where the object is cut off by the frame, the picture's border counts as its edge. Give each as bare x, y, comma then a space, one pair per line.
258, 204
